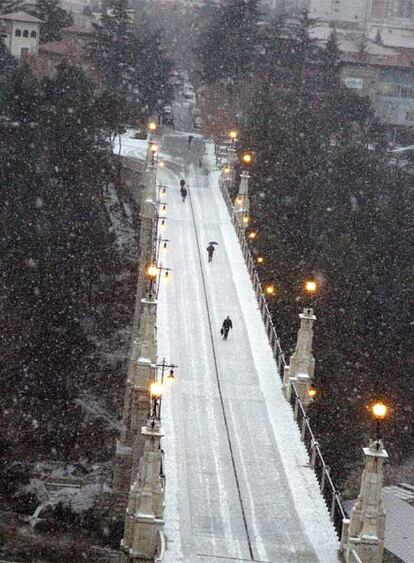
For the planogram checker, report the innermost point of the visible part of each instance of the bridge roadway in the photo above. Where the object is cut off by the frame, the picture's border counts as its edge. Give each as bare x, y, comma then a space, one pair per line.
238, 483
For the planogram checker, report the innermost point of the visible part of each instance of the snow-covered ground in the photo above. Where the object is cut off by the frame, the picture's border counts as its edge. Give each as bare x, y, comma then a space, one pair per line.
239, 486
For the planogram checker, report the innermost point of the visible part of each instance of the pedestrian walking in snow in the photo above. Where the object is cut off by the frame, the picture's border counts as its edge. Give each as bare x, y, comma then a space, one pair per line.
210, 251
183, 192
190, 140
227, 325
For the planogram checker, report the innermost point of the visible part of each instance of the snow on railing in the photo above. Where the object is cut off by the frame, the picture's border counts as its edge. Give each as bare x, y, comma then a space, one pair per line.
161, 547
317, 463
354, 557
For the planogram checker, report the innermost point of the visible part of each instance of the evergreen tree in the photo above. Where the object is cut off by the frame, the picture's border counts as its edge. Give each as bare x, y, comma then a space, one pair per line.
112, 47
271, 58
228, 47
8, 6
330, 65
132, 61
55, 239
335, 212
151, 70
55, 18
7, 68
303, 53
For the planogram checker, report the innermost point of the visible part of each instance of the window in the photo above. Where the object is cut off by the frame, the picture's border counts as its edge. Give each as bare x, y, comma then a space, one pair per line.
25, 33
24, 51
388, 89
17, 33
406, 92
33, 34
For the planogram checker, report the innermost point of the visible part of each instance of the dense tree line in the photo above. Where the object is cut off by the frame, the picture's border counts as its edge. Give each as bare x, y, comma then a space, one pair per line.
132, 58
56, 247
328, 205
60, 266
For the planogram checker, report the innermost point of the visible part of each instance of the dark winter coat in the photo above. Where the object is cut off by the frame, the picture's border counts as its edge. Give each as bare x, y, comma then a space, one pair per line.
210, 249
227, 324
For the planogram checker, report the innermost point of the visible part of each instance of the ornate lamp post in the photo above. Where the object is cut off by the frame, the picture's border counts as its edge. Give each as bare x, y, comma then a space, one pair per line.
241, 204
151, 273
155, 400
166, 276
153, 150
312, 391
161, 246
157, 388
379, 411
364, 532
152, 126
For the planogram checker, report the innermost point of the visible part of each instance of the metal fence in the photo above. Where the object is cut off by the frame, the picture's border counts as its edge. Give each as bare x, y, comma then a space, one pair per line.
330, 494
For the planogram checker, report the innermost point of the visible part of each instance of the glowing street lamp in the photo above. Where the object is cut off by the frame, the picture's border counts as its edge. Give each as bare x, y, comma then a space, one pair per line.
260, 260
152, 271
246, 219
152, 126
233, 136
246, 158
311, 287
162, 245
252, 235
164, 366
166, 276
153, 149
312, 391
379, 411
155, 400
270, 290
162, 190
156, 389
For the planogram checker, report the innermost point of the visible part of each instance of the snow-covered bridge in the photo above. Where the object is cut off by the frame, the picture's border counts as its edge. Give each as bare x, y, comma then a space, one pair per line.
239, 485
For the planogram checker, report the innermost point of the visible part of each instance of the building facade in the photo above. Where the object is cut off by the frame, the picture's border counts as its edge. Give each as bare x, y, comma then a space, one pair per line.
355, 11
20, 33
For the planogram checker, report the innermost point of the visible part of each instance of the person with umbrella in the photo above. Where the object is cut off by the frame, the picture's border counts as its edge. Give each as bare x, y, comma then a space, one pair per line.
210, 249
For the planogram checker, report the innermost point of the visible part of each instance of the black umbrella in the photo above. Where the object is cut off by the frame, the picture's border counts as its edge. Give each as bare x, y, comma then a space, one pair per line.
213, 242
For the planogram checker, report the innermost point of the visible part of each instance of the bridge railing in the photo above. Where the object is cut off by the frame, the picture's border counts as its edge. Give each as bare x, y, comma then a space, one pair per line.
317, 463
354, 557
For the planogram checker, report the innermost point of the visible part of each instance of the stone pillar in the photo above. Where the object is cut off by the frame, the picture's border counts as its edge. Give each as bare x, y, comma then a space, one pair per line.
302, 362
241, 203
364, 532
150, 185
286, 387
148, 233
145, 512
136, 403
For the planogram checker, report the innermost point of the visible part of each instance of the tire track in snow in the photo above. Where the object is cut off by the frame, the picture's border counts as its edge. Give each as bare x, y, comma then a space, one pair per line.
249, 542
